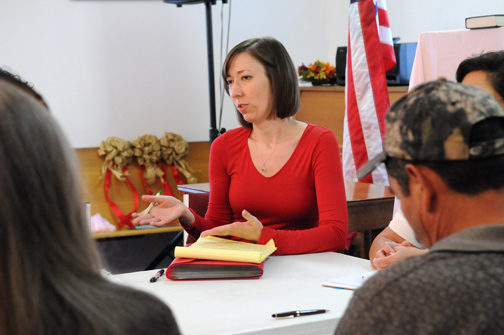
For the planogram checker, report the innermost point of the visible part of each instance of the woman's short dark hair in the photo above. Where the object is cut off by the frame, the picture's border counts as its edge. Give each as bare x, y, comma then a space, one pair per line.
279, 69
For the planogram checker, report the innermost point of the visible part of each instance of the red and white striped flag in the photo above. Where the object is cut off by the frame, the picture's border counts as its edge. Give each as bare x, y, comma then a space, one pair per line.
370, 54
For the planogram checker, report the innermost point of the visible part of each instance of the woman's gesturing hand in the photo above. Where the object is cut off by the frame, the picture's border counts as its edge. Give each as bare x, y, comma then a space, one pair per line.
166, 210
249, 230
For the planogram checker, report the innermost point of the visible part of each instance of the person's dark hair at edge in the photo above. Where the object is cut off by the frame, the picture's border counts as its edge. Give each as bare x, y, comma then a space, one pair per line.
49, 268
280, 71
472, 176
469, 176
22, 84
490, 62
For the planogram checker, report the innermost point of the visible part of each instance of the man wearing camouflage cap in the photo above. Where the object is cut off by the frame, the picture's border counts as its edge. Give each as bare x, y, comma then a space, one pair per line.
444, 153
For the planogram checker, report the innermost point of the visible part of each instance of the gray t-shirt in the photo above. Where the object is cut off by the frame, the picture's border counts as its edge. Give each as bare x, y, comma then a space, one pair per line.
457, 288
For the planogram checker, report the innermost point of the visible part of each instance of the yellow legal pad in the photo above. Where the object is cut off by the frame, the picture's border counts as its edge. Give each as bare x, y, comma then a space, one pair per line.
219, 249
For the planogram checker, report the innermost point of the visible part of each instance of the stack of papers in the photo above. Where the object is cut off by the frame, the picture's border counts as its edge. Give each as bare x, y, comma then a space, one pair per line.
220, 249
216, 258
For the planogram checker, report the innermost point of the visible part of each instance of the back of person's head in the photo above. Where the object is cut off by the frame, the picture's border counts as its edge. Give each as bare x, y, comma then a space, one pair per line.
17, 81
49, 266
279, 69
489, 62
41, 236
455, 130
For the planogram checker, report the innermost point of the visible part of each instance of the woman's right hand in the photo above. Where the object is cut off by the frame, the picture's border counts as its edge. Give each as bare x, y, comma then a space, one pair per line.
166, 210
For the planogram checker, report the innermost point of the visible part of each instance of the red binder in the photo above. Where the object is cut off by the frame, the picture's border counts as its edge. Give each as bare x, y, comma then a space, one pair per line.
197, 269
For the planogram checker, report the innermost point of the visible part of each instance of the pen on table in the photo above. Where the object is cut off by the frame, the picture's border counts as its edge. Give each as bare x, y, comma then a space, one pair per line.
294, 314
157, 276
147, 210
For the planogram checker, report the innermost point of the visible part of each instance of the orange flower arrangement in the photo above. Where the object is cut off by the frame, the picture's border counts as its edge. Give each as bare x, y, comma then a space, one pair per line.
318, 73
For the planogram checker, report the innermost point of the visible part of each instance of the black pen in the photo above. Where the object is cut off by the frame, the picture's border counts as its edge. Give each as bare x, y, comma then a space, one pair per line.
156, 277
294, 314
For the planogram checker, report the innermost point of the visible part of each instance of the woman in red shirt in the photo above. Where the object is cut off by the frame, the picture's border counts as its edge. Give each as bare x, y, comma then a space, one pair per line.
274, 177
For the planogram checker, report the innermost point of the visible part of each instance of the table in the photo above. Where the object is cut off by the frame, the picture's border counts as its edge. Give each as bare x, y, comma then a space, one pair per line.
144, 230
370, 207
245, 306
440, 53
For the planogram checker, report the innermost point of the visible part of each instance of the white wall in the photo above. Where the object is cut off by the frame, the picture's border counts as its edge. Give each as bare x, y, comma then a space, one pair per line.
132, 67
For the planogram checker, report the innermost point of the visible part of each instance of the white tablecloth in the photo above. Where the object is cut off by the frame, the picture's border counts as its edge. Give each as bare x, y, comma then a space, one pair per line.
245, 306
440, 53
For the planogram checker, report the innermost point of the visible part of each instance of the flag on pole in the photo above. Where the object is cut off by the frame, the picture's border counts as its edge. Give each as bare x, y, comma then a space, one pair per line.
370, 54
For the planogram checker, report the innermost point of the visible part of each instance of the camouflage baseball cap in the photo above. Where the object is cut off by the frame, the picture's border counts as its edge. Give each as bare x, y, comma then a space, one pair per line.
433, 122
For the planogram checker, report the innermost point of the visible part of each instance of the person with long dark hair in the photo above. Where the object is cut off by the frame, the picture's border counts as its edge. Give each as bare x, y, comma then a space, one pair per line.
49, 266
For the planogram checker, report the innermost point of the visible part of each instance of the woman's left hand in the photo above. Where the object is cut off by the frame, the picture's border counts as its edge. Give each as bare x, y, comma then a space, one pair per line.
248, 230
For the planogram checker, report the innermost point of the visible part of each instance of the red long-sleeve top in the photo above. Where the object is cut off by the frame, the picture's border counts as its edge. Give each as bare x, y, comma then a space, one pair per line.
302, 207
